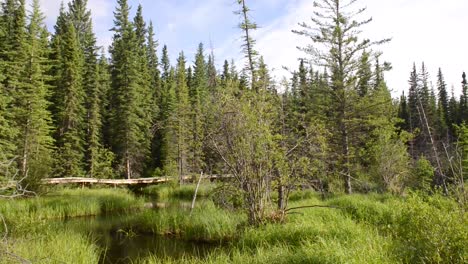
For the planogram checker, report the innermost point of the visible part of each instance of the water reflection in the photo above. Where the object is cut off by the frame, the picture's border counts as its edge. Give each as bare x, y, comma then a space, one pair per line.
126, 246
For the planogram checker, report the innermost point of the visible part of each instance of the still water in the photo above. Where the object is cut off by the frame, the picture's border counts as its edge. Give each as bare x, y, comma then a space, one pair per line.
125, 246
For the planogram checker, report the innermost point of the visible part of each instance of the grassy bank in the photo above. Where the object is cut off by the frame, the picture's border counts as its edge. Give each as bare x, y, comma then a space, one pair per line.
364, 229
22, 215
355, 229
33, 233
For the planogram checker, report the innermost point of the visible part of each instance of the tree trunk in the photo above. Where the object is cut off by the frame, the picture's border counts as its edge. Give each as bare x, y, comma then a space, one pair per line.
281, 197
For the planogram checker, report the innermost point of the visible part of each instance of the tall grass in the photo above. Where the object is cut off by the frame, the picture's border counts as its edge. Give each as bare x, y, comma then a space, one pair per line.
183, 192
362, 229
24, 214
206, 223
50, 247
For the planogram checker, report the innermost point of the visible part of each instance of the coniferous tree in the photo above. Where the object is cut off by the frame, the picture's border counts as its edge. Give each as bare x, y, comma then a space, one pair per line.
12, 61
35, 143
337, 31
69, 104
181, 117
156, 88
247, 26
454, 109
365, 75
212, 79
403, 113
80, 17
464, 100
198, 94
443, 99
130, 118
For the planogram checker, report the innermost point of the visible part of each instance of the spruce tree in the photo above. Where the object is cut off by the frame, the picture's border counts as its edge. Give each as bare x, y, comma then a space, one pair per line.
198, 98
403, 113
365, 75
34, 121
80, 17
130, 118
156, 90
69, 104
12, 60
248, 26
145, 104
338, 33
443, 100
181, 117
464, 100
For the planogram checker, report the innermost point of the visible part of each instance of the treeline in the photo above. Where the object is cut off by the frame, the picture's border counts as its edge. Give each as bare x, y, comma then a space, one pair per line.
67, 109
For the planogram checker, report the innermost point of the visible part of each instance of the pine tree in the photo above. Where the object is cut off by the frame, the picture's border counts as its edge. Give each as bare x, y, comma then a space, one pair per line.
464, 100
80, 17
12, 61
198, 94
35, 141
365, 75
69, 104
131, 141
156, 87
403, 113
212, 79
145, 104
443, 99
153, 66
247, 26
181, 117
339, 32
454, 110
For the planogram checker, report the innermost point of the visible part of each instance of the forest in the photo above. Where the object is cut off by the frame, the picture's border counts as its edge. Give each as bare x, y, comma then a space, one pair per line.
323, 166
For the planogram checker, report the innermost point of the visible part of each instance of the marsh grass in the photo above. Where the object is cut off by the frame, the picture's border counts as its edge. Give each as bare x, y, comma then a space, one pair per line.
27, 214
363, 229
52, 247
358, 229
183, 192
206, 223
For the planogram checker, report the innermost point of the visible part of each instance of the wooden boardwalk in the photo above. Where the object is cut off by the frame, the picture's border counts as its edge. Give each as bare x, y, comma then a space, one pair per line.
124, 182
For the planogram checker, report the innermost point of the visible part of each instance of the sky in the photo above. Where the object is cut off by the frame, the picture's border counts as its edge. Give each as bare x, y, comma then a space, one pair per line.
433, 31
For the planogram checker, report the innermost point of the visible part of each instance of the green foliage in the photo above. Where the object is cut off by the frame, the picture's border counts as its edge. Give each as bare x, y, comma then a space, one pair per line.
390, 160
131, 96
423, 174
431, 231
70, 111
52, 247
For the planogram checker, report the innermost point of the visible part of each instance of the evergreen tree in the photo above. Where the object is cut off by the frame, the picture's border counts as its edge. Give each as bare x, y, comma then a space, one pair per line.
35, 141
226, 75
212, 79
454, 110
247, 26
443, 99
338, 31
181, 117
69, 104
155, 86
365, 75
80, 17
12, 60
464, 100
198, 94
403, 113
130, 118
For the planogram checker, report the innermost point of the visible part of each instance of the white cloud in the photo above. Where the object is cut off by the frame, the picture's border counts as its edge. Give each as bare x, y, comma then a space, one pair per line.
427, 31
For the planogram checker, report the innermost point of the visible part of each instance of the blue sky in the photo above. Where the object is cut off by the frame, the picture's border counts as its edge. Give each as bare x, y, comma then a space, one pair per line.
429, 30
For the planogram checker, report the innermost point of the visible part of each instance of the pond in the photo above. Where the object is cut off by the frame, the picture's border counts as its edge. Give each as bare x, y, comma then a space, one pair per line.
125, 246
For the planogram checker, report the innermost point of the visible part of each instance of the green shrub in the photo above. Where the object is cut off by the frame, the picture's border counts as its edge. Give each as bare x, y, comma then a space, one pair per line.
431, 230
